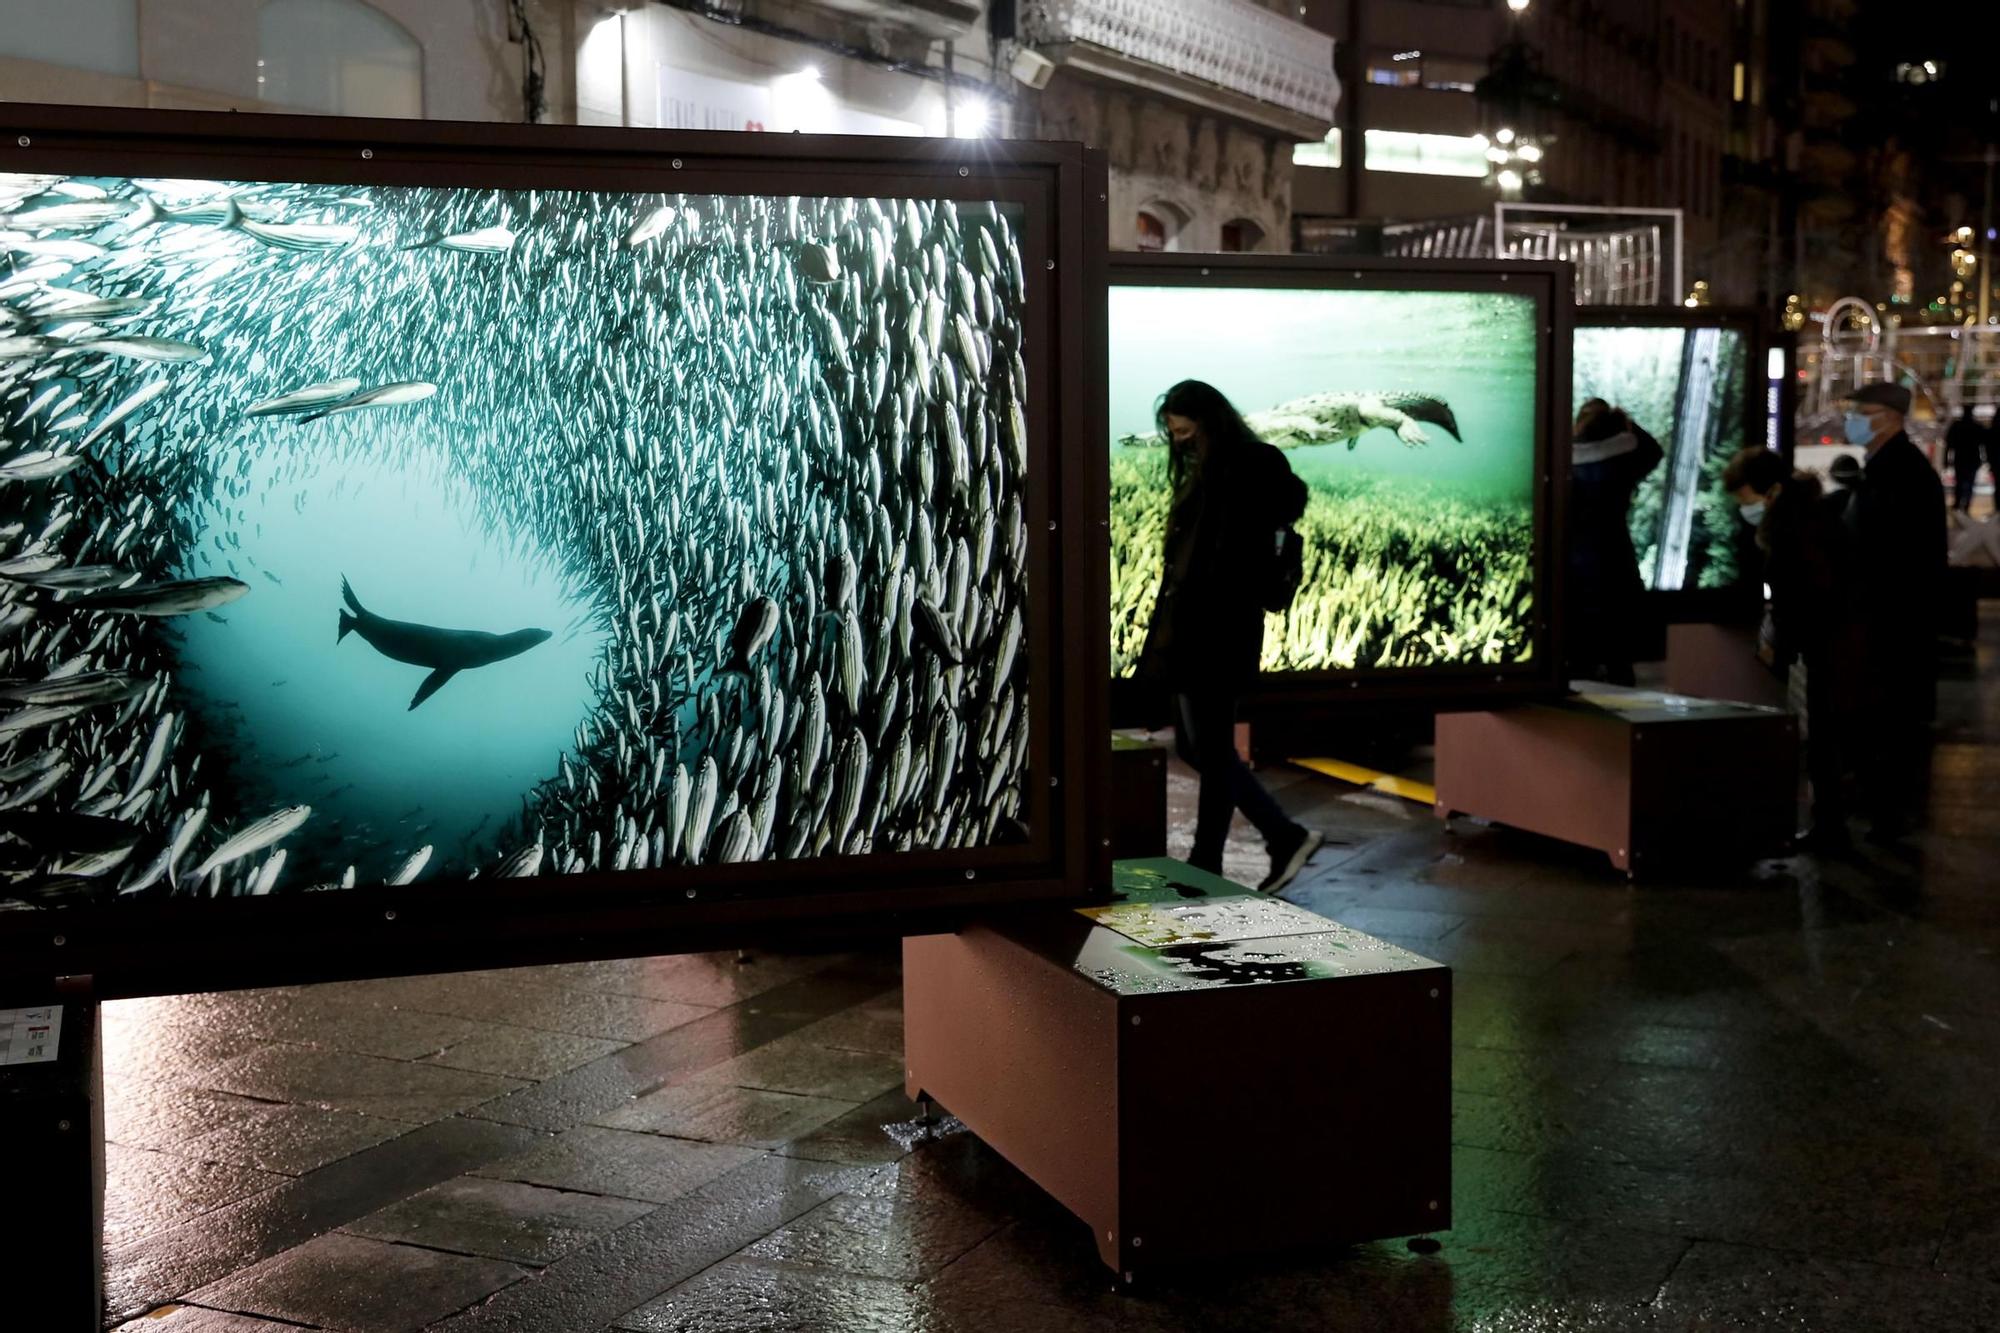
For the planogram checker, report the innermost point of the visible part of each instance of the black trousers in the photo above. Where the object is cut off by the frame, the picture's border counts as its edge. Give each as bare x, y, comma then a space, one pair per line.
1871, 732
1964, 472
1829, 740
1205, 737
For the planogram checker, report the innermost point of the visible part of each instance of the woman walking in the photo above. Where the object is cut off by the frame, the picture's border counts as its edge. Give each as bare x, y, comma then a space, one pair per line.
1234, 496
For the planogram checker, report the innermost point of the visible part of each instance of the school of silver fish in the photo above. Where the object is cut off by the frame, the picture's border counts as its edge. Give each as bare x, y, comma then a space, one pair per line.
778, 443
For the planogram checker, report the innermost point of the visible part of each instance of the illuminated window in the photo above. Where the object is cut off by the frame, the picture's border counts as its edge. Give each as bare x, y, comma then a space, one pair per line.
1417, 69
1324, 154
97, 35
338, 56
1738, 90
1424, 154
1152, 232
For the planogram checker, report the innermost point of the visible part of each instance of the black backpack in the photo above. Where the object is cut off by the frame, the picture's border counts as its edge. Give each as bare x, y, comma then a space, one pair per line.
1287, 570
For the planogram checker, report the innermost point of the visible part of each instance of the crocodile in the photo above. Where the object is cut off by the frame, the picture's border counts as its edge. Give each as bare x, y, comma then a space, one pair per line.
1331, 418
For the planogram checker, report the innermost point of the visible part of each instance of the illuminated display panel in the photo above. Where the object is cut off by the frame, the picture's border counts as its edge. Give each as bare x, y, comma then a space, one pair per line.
1413, 401
1687, 379
364, 534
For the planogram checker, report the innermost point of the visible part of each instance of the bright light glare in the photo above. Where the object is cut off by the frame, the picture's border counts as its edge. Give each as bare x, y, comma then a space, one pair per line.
1518, 6
1505, 136
1531, 152
801, 103
971, 118
1509, 179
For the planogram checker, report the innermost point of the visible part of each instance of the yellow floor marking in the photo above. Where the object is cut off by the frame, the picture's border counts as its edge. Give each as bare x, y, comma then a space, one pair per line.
1420, 792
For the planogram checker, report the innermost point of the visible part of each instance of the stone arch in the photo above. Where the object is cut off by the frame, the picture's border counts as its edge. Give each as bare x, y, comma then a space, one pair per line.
1160, 224
1242, 235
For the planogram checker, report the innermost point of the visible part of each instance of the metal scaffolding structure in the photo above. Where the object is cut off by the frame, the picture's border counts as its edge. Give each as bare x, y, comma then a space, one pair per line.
1623, 256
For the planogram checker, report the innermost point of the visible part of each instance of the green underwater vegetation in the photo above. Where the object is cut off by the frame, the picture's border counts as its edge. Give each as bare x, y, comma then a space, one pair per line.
1397, 574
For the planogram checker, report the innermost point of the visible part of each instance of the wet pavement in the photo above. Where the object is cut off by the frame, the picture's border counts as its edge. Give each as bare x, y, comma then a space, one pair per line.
1760, 1100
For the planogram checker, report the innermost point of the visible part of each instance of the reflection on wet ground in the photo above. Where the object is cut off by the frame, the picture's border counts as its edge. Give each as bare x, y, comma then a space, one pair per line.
1764, 1100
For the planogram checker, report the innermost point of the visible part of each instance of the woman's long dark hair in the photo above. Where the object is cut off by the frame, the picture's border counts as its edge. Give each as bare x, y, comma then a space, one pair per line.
1216, 417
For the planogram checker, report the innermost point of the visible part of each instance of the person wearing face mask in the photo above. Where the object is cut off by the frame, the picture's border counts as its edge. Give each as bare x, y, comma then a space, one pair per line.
1611, 455
1798, 540
1896, 534
1234, 495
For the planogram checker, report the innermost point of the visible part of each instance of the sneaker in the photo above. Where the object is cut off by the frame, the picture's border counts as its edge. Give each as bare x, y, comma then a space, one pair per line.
1826, 837
1289, 857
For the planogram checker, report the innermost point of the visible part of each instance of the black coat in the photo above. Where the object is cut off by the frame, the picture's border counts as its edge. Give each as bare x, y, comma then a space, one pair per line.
1966, 438
1799, 542
1208, 620
1603, 564
1896, 558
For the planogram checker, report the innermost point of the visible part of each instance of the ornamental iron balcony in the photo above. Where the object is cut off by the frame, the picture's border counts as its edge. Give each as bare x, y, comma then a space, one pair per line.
1234, 45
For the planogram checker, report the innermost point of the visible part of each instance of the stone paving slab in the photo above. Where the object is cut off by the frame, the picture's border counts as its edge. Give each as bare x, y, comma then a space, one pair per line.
715, 1111
794, 1064
197, 1319
622, 1270
622, 1163
584, 1013
392, 1089
173, 1263
523, 1053
360, 1286
148, 1191
749, 1297
682, 1053
499, 1219
905, 1240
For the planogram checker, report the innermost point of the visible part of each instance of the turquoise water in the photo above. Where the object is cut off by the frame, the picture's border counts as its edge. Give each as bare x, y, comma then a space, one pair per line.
325, 723
707, 511
1265, 346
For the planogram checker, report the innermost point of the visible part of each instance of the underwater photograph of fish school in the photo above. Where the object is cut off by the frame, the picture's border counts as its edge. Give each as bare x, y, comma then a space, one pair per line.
1412, 418
1688, 386
365, 535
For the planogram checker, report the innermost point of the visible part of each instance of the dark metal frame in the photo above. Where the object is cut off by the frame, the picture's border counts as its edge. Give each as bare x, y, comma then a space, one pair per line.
1306, 694
193, 945
1760, 334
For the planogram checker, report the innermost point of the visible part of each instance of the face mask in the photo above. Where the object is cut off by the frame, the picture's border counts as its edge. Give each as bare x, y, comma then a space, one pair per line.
1752, 512
1859, 428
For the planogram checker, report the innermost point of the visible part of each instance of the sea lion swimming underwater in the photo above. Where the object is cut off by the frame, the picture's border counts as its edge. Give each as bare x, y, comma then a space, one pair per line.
1337, 418
445, 651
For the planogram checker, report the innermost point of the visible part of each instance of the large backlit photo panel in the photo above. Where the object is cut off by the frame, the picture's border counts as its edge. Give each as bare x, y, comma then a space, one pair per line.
1689, 386
1411, 415
376, 534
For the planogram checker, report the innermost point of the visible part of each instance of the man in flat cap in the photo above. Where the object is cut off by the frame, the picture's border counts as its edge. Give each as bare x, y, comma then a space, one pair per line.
1897, 539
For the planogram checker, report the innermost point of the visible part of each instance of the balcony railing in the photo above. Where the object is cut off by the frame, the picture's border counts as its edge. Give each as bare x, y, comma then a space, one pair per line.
1233, 44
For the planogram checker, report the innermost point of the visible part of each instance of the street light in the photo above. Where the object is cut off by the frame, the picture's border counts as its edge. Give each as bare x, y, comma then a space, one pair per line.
1518, 6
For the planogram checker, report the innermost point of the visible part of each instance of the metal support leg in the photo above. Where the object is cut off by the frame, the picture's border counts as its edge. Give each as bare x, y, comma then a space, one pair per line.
52, 1123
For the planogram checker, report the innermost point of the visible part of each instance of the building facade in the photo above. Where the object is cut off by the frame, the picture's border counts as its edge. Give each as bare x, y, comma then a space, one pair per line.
1198, 103
1628, 104
442, 59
